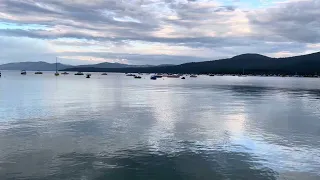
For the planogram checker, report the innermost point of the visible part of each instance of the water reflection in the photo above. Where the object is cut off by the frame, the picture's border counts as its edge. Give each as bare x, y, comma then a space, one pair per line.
138, 163
117, 127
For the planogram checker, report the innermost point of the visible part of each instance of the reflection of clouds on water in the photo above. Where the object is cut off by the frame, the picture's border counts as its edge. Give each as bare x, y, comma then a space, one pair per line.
194, 129
166, 110
276, 129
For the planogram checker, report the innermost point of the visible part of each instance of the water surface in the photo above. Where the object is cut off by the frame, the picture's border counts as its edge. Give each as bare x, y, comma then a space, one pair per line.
117, 127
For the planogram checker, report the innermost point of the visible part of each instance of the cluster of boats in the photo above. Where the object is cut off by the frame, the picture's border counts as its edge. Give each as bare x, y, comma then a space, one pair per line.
136, 76
23, 72
156, 76
167, 75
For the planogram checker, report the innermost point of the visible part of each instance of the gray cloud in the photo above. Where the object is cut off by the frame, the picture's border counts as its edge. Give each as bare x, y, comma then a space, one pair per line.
296, 21
140, 58
38, 52
226, 30
192, 41
100, 17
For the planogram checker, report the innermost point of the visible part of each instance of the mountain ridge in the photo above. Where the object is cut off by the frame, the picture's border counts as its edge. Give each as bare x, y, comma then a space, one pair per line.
34, 66
250, 63
45, 66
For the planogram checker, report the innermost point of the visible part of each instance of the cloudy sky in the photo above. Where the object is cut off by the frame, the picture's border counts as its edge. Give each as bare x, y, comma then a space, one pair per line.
155, 31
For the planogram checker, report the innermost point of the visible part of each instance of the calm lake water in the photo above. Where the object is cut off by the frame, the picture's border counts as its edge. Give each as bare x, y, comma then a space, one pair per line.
117, 127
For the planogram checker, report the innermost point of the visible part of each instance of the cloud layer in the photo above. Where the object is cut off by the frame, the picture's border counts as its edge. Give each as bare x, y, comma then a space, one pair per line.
155, 31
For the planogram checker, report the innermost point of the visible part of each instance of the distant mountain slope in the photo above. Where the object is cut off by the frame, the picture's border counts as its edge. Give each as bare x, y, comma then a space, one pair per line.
104, 65
33, 66
117, 65
250, 63
44, 66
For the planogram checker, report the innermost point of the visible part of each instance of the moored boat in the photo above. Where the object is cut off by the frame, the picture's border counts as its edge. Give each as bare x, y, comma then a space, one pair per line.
173, 76
56, 73
65, 73
23, 72
153, 77
130, 75
79, 73
38, 72
88, 75
104, 74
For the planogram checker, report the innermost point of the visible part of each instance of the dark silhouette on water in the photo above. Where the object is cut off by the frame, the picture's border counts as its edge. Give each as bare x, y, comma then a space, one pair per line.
23, 72
79, 73
56, 73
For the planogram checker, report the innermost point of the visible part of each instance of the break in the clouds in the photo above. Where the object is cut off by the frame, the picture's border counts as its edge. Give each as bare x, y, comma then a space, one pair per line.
155, 31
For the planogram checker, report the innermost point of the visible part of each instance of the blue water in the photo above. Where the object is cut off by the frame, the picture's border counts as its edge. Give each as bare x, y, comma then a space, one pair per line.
118, 127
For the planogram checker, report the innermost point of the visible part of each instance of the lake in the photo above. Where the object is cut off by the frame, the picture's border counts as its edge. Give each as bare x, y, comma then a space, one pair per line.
118, 127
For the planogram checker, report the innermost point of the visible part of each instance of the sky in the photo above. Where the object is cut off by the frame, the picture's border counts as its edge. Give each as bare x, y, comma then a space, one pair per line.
155, 31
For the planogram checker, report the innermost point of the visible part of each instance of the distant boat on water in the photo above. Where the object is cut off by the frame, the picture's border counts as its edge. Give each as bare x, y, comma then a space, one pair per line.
23, 72
130, 75
158, 76
137, 77
38, 72
56, 74
173, 76
193, 76
79, 73
183, 78
104, 74
0, 73
65, 73
88, 75
153, 77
